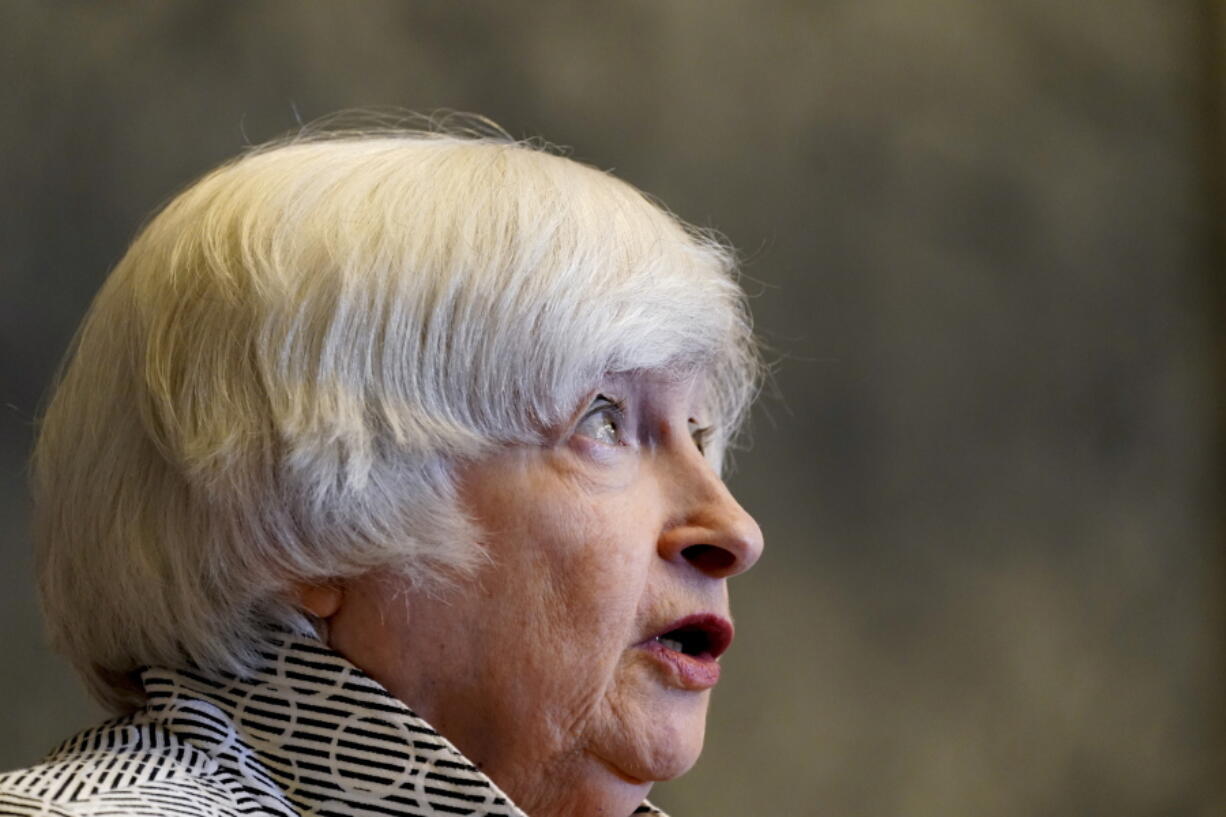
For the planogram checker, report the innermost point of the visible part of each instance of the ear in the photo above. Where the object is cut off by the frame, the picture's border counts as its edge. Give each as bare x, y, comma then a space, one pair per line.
320, 600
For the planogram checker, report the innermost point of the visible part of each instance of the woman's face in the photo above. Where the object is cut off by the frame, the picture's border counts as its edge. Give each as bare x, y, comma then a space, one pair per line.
575, 667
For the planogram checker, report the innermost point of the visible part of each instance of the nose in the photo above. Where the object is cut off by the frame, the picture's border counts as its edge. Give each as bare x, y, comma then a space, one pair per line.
710, 530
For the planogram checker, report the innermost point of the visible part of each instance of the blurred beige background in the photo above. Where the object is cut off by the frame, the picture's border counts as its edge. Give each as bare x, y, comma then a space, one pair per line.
980, 236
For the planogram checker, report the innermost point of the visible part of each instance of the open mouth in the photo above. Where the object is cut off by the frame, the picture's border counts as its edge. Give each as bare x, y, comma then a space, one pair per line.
702, 636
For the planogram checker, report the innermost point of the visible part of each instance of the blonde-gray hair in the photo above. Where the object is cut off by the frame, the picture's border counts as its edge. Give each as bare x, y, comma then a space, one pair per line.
277, 379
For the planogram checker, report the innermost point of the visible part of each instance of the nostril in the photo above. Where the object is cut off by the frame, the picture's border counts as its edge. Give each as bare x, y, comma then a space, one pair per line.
709, 558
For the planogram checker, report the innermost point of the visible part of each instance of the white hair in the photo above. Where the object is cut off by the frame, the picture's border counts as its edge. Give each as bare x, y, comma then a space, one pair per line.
275, 383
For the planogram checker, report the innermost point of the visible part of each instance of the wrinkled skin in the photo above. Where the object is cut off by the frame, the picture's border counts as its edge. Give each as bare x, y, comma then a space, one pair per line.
535, 669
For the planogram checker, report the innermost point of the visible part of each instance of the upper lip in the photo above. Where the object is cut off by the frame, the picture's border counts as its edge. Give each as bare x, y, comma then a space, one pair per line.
713, 632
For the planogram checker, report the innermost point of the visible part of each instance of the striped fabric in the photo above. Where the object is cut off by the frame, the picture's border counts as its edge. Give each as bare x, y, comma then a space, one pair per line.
308, 734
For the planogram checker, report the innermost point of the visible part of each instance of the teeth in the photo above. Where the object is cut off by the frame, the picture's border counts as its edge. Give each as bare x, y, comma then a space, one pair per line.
670, 643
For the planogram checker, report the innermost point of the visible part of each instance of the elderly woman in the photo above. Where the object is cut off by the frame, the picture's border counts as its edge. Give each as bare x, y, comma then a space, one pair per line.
384, 478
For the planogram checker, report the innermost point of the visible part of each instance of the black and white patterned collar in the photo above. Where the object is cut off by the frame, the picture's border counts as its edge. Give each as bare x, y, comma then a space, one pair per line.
311, 734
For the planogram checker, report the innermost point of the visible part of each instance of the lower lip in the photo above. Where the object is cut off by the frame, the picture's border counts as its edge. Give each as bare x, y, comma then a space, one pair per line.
692, 672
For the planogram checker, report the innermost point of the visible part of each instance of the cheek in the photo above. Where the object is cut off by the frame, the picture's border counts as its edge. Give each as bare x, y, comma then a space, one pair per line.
579, 586
602, 564
570, 569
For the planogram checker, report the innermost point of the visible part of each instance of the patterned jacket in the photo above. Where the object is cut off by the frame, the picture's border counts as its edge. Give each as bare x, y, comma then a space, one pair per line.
308, 734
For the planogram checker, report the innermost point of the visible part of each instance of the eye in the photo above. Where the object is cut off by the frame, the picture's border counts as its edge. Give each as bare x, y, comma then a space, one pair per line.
701, 435
603, 421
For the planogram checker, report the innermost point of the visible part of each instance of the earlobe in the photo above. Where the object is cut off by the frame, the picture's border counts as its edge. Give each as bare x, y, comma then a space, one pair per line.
320, 600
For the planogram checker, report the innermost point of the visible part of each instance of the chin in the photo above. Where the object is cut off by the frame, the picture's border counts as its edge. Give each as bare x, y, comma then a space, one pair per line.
674, 764
666, 752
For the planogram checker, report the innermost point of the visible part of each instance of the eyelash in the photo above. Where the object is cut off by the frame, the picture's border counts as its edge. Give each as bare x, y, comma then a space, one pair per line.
702, 438
603, 402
